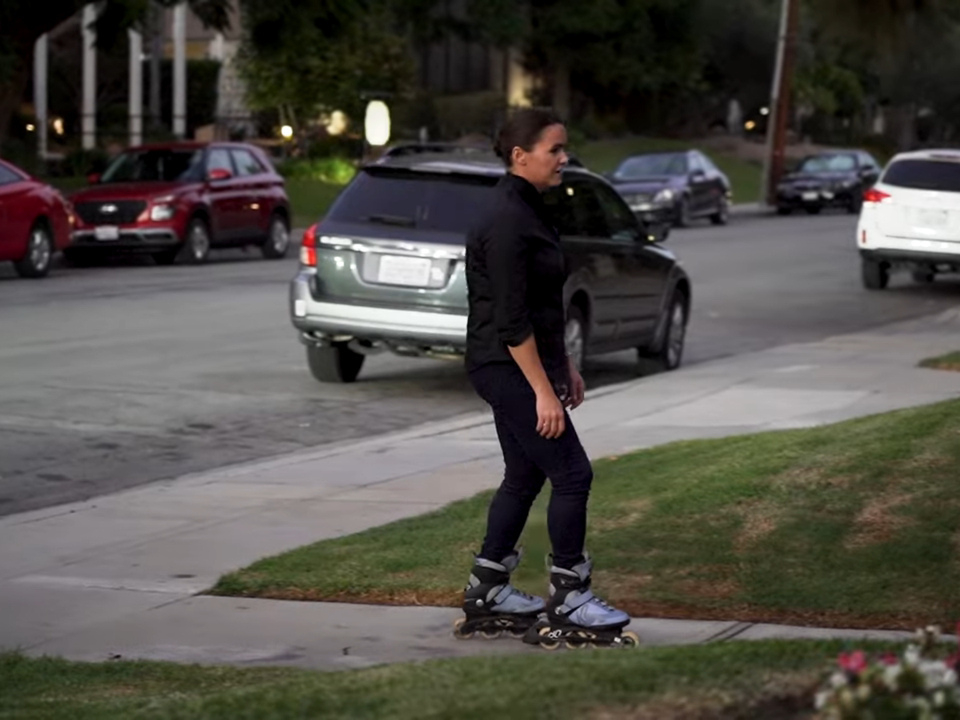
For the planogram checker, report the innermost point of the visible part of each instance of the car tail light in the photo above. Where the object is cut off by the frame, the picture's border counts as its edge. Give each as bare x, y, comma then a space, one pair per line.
872, 195
308, 246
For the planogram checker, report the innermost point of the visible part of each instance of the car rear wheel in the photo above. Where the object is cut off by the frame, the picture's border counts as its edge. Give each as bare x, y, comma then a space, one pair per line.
196, 246
924, 277
334, 363
814, 209
875, 274
722, 215
784, 210
669, 355
278, 239
575, 337
36, 262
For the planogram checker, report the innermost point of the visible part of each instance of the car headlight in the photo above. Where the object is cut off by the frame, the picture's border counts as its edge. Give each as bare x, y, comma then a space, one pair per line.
664, 196
159, 213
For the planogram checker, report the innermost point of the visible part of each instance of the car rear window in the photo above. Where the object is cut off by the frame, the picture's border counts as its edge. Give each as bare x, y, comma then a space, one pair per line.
924, 175
422, 200
153, 166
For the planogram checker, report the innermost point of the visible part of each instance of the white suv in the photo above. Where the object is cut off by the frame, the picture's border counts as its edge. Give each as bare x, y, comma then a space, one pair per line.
911, 218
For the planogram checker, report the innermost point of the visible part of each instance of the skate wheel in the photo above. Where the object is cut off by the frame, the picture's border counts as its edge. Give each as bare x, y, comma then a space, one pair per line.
544, 642
491, 634
458, 633
630, 639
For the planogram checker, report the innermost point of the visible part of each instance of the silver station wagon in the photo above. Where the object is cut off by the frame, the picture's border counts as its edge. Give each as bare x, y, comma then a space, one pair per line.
385, 269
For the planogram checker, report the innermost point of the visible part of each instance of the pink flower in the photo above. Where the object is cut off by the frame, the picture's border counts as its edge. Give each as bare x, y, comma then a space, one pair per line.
889, 658
855, 662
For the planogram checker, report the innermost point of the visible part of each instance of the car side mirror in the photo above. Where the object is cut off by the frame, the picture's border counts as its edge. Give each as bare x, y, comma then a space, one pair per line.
93, 178
697, 174
218, 174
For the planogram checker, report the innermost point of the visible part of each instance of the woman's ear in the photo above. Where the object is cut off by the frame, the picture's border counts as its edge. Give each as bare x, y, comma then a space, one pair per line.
518, 156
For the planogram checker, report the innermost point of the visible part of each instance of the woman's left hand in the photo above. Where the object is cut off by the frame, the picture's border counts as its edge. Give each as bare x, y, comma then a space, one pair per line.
575, 399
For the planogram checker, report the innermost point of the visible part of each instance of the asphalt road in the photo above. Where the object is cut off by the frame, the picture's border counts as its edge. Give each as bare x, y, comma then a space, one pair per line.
127, 373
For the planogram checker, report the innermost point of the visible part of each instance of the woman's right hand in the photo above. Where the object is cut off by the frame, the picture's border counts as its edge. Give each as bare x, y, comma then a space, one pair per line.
550, 415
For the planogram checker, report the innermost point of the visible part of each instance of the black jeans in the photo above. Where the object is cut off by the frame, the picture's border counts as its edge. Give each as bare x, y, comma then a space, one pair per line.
530, 459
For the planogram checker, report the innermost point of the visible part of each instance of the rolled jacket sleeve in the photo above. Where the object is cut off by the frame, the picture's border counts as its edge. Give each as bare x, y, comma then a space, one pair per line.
507, 259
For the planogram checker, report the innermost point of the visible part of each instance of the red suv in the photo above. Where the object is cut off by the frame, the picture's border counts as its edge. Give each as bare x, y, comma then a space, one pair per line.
179, 200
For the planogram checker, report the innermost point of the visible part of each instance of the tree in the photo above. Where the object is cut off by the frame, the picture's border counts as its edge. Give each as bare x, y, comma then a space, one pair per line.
22, 22
314, 56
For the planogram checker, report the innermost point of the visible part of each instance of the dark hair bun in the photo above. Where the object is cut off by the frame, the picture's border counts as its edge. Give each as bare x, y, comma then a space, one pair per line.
523, 129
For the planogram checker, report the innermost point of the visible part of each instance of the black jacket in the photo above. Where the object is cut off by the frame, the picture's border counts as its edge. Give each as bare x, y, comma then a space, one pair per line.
515, 277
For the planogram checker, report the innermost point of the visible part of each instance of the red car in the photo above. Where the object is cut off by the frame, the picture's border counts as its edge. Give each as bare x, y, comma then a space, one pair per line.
35, 222
179, 200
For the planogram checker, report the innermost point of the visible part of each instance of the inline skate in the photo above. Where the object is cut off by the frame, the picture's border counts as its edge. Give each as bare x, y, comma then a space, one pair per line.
492, 606
576, 617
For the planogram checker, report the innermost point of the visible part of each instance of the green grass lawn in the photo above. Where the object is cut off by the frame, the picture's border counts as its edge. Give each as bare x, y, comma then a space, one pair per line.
850, 525
950, 361
767, 679
604, 156
309, 200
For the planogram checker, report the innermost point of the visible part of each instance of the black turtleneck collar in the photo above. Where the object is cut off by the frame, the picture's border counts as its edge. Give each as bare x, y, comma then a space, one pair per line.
525, 189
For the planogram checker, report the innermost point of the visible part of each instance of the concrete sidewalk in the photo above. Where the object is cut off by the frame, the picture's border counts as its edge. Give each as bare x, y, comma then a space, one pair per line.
117, 576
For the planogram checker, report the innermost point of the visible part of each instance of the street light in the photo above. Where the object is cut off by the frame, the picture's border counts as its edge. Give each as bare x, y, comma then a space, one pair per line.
376, 124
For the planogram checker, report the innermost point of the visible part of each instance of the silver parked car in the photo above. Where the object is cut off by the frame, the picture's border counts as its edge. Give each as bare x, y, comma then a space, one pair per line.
385, 269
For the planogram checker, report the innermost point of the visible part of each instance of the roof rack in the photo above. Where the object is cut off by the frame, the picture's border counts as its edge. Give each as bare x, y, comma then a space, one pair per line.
435, 147
417, 148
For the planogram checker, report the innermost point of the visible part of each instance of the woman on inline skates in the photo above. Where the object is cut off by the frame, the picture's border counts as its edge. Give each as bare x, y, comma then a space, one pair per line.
517, 363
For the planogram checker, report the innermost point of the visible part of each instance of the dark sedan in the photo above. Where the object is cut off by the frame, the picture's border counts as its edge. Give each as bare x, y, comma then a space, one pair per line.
832, 179
678, 187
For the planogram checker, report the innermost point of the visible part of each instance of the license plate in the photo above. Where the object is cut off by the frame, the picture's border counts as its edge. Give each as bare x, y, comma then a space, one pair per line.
810, 196
407, 271
932, 218
106, 232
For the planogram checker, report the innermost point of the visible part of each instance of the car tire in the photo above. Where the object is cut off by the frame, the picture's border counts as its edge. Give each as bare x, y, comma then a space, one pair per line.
923, 277
683, 218
278, 239
855, 205
196, 245
669, 355
36, 261
575, 337
334, 363
875, 274
784, 210
814, 210
722, 215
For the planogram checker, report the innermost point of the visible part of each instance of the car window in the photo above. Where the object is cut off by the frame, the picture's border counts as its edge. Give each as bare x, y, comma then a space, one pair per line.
219, 159
620, 220
696, 163
652, 166
427, 201
246, 162
159, 165
924, 175
828, 163
8, 176
708, 163
866, 159
587, 214
558, 203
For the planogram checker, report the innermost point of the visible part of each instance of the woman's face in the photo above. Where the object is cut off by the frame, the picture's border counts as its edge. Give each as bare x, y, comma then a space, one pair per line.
543, 165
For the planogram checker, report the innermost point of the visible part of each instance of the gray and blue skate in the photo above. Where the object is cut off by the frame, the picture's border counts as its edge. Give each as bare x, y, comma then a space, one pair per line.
492, 606
577, 617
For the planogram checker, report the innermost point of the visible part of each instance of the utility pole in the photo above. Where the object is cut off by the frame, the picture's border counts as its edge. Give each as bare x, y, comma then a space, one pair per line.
780, 100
